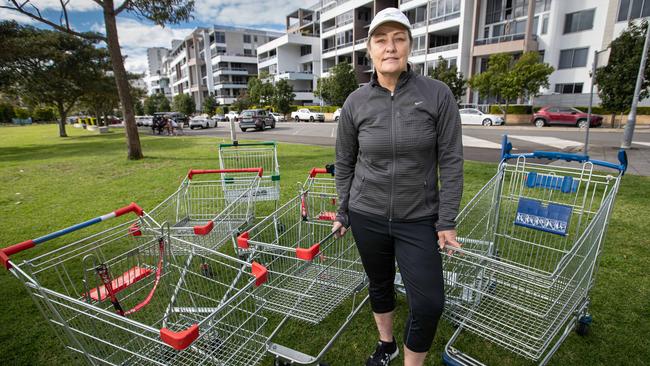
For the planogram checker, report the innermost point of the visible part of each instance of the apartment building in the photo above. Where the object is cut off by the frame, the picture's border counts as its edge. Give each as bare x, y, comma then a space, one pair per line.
215, 61
295, 56
156, 76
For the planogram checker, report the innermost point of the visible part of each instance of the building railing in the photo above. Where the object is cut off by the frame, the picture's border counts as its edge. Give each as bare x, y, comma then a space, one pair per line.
268, 58
231, 69
418, 52
220, 82
419, 24
500, 39
329, 49
362, 40
345, 22
329, 28
444, 17
443, 48
347, 44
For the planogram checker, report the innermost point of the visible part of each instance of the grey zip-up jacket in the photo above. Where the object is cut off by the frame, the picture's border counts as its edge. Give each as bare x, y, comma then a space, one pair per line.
392, 149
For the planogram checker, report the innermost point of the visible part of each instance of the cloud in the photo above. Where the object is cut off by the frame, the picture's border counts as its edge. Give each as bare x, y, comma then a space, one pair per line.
73, 6
136, 37
6, 14
247, 12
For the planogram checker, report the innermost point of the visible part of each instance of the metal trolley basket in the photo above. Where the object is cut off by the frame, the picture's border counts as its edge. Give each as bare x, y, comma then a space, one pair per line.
310, 271
253, 155
531, 239
133, 295
210, 205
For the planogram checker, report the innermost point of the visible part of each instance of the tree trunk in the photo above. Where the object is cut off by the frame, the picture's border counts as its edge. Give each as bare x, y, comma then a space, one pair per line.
612, 119
505, 114
113, 43
63, 114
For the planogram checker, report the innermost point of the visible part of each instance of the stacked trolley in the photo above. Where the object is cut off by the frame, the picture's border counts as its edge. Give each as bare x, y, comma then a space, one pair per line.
131, 294
210, 205
253, 155
531, 239
310, 271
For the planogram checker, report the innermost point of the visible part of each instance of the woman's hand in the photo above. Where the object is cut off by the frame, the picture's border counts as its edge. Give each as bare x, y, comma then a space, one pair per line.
448, 238
338, 229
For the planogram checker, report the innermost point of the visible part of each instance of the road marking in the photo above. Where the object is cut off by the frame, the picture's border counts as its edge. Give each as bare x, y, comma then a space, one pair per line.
549, 141
469, 141
333, 131
642, 143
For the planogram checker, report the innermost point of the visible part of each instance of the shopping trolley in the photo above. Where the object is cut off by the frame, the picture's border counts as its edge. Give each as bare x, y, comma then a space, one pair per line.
310, 271
127, 295
210, 205
253, 155
530, 244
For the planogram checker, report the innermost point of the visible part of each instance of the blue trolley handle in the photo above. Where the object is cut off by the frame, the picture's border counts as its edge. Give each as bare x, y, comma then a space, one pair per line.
506, 148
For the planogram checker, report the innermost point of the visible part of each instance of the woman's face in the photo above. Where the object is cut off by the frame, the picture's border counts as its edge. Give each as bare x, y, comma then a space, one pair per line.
389, 48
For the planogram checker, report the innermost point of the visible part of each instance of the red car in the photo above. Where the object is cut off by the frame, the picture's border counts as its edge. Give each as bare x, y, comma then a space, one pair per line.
565, 116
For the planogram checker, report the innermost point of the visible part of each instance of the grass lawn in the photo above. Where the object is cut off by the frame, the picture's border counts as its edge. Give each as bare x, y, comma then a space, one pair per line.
49, 183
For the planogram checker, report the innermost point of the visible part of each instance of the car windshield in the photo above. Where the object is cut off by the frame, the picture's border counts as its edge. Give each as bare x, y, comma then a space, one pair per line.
247, 113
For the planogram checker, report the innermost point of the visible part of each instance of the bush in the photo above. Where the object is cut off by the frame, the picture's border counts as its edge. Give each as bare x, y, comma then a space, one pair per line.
219, 110
512, 109
44, 114
6, 112
316, 108
21, 113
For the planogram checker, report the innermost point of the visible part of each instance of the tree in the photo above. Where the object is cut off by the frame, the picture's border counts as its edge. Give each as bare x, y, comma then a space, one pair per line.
254, 90
184, 103
49, 68
156, 103
160, 12
164, 106
617, 80
335, 89
283, 97
139, 108
209, 105
507, 80
450, 76
242, 102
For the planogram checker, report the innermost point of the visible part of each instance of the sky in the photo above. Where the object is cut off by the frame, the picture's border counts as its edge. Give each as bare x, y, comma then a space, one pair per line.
137, 34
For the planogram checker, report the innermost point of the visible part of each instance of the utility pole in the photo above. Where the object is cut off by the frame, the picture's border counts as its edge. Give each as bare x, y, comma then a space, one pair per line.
631, 118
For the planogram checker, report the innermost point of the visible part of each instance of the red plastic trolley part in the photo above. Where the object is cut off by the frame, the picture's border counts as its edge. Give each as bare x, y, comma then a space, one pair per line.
308, 254
327, 215
180, 340
17, 248
204, 229
260, 272
242, 240
135, 230
193, 172
315, 171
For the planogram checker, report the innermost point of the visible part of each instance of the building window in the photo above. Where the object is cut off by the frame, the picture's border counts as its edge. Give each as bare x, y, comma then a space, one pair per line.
579, 21
633, 9
542, 5
305, 50
441, 8
419, 43
575, 57
247, 52
572, 88
220, 37
247, 38
545, 24
493, 12
255, 39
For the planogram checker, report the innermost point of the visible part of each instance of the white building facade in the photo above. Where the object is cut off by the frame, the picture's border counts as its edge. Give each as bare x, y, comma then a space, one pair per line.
156, 76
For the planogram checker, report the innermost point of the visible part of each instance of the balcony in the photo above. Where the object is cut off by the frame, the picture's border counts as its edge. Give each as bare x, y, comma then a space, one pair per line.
361, 41
268, 58
329, 49
295, 75
418, 52
507, 43
444, 17
447, 47
347, 44
230, 71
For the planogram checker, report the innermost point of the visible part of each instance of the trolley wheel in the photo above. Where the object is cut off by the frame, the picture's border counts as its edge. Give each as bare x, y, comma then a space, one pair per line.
584, 324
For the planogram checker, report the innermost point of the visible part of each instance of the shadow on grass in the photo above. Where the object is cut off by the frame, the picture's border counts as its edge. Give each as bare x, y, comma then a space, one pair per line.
89, 145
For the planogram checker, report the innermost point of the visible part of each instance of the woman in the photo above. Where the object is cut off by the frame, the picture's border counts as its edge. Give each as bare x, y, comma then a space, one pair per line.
398, 135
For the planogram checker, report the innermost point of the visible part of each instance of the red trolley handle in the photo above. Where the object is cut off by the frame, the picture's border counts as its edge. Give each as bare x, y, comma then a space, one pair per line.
194, 172
17, 248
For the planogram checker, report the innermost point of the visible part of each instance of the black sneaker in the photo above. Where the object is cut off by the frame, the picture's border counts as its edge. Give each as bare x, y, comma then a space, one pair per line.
384, 353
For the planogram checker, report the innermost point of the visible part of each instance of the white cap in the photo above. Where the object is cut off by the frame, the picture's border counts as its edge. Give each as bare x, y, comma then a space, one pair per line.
389, 15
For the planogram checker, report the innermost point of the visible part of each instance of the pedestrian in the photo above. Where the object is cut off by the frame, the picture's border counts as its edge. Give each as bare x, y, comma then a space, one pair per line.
399, 177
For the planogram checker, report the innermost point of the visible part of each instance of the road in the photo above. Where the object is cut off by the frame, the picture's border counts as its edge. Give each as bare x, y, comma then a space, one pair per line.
481, 143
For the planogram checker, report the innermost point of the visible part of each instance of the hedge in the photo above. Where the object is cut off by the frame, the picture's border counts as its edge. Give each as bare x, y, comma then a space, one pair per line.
528, 109
512, 109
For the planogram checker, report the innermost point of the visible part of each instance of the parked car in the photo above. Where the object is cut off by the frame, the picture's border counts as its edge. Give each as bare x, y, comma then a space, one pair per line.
112, 120
566, 116
278, 117
305, 114
202, 121
337, 114
219, 118
255, 118
145, 121
473, 116
232, 116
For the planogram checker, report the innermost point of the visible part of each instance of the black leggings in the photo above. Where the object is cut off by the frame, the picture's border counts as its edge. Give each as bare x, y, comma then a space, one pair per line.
414, 245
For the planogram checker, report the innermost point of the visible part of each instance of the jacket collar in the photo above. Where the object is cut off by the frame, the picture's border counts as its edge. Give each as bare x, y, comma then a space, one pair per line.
403, 77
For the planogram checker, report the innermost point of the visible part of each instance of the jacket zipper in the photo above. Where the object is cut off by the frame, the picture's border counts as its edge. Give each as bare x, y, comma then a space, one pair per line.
392, 144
